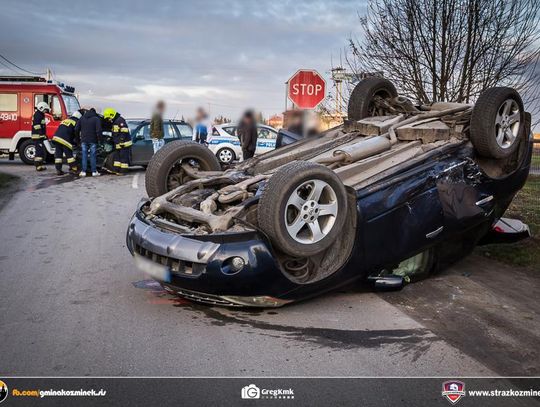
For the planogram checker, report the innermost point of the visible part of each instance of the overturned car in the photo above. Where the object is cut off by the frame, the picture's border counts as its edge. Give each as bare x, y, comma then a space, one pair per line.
395, 193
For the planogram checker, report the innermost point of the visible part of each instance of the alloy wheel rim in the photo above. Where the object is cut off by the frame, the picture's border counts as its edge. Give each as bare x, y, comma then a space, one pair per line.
507, 123
311, 211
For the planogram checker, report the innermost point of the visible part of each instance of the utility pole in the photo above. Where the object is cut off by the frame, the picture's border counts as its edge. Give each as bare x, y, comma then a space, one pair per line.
48, 74
338, 76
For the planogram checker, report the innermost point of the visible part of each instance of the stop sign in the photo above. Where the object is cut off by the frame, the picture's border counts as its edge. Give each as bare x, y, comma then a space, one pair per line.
306, 88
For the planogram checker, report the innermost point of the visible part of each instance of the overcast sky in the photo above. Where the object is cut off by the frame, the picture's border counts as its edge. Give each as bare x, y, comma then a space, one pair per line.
227, 55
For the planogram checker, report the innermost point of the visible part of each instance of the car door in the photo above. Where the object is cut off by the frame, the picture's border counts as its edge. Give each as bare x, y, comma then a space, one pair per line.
141, 150
266, 140
402, 216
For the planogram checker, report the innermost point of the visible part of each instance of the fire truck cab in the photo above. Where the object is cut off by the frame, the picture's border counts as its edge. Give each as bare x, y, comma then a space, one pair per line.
18, 97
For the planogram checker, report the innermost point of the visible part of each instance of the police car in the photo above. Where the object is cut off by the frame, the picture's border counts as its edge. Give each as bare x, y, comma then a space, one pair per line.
225, 144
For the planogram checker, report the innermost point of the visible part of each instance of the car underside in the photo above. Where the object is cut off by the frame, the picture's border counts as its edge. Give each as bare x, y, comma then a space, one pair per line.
393, 193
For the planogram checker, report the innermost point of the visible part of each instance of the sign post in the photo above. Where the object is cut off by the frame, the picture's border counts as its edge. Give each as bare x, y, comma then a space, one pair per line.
306, 89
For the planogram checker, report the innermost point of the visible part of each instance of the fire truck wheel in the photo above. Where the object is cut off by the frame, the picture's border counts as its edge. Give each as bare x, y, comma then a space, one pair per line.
27, 152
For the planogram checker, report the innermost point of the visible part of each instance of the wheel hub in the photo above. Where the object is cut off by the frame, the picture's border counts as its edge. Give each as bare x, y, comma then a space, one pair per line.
310, 211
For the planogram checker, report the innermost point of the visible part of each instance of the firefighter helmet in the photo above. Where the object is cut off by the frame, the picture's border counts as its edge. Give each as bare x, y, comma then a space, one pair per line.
42, 106
109, 113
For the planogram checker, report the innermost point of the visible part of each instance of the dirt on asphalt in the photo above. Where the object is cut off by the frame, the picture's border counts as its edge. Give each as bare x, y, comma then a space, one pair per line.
488, 310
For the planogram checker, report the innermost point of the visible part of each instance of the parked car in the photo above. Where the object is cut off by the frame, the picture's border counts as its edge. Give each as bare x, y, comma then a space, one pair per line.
18, 97
225, 144
141, 150
393, 195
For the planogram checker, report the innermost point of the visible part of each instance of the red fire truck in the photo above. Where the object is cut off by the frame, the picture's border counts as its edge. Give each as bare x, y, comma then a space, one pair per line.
18, 96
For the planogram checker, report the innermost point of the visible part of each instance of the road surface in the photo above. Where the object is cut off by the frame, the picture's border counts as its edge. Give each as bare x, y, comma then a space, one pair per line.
72, 303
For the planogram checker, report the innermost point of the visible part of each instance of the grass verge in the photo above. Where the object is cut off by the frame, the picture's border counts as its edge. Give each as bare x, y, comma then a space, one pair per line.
525, 207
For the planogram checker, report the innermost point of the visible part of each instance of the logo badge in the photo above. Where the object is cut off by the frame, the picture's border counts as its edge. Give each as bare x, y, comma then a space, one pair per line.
3, 391
453, 390
251, 392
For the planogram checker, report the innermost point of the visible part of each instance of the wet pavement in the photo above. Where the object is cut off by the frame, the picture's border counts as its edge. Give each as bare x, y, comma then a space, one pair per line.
72, 303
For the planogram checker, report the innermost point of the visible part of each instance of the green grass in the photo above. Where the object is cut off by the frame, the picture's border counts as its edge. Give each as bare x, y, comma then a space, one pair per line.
526, 207
535, 162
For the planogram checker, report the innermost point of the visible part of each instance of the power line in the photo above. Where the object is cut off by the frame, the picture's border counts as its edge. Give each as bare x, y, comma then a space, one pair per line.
18, 67
9, 67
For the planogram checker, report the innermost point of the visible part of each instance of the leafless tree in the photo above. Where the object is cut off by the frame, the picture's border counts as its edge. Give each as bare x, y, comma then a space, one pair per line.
451, 50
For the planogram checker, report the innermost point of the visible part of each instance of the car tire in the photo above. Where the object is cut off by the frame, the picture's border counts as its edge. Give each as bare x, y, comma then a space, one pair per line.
27, 152
226, 155
497, 122
295, 223
361, 100
159, 174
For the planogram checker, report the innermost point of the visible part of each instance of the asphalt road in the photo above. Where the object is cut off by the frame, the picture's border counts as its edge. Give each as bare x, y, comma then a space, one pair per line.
72, 303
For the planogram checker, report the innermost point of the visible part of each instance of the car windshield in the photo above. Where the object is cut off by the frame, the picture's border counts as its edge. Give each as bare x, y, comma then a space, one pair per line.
72, 103
133, 124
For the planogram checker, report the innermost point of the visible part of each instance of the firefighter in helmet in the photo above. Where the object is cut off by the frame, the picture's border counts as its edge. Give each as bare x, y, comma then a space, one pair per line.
39, 134
121, 138
63, 140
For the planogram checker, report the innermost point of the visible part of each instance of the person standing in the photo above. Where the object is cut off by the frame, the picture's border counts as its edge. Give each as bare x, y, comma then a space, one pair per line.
202, 127
90, 130
156, 126
121, 138
63, 140
39, 134
247, 132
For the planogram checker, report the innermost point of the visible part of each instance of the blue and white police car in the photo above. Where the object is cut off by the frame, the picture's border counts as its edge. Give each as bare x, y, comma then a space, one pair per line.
225, 144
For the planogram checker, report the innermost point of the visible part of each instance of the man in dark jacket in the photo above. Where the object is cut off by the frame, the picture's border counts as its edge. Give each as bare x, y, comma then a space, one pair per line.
247, 131
121, 138
90, 130
156, 126
63, 141
39, 134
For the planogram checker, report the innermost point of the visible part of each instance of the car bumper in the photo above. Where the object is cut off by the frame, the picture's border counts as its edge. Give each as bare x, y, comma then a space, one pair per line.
198, 267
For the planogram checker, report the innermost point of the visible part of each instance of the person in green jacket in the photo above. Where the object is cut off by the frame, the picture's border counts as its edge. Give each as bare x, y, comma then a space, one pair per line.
156, 126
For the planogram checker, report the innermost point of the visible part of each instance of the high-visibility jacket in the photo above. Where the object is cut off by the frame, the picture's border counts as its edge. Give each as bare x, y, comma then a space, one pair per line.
39, 126
67, 132
120, 132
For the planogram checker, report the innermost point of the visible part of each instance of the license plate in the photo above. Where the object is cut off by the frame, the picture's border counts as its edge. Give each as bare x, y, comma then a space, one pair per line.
154, 270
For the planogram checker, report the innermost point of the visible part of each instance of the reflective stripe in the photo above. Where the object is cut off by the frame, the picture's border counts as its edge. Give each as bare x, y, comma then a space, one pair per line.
58, 161
43, 121
127, 143
71, 160
68, 122
115, 128
124, 165
118, 146
124, 130
37, 126
117, 164
37, 137
63, 142
38, 159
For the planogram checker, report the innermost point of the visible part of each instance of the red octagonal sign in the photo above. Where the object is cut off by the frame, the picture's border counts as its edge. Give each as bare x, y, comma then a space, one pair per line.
306, 89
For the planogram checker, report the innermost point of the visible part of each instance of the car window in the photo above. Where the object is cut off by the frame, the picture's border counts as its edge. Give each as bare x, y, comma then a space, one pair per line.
143, 131
169, 131
231, 130
132, 125
56, 108
215, 132
8, 102
185, 130
263, 132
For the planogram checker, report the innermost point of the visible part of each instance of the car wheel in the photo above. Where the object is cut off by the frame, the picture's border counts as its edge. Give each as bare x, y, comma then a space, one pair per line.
226, 155
362, 99
165, 172
27, 152
303, 208
497, 122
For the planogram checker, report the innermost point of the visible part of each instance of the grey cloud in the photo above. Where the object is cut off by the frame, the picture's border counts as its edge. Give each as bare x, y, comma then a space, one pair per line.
237, 53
